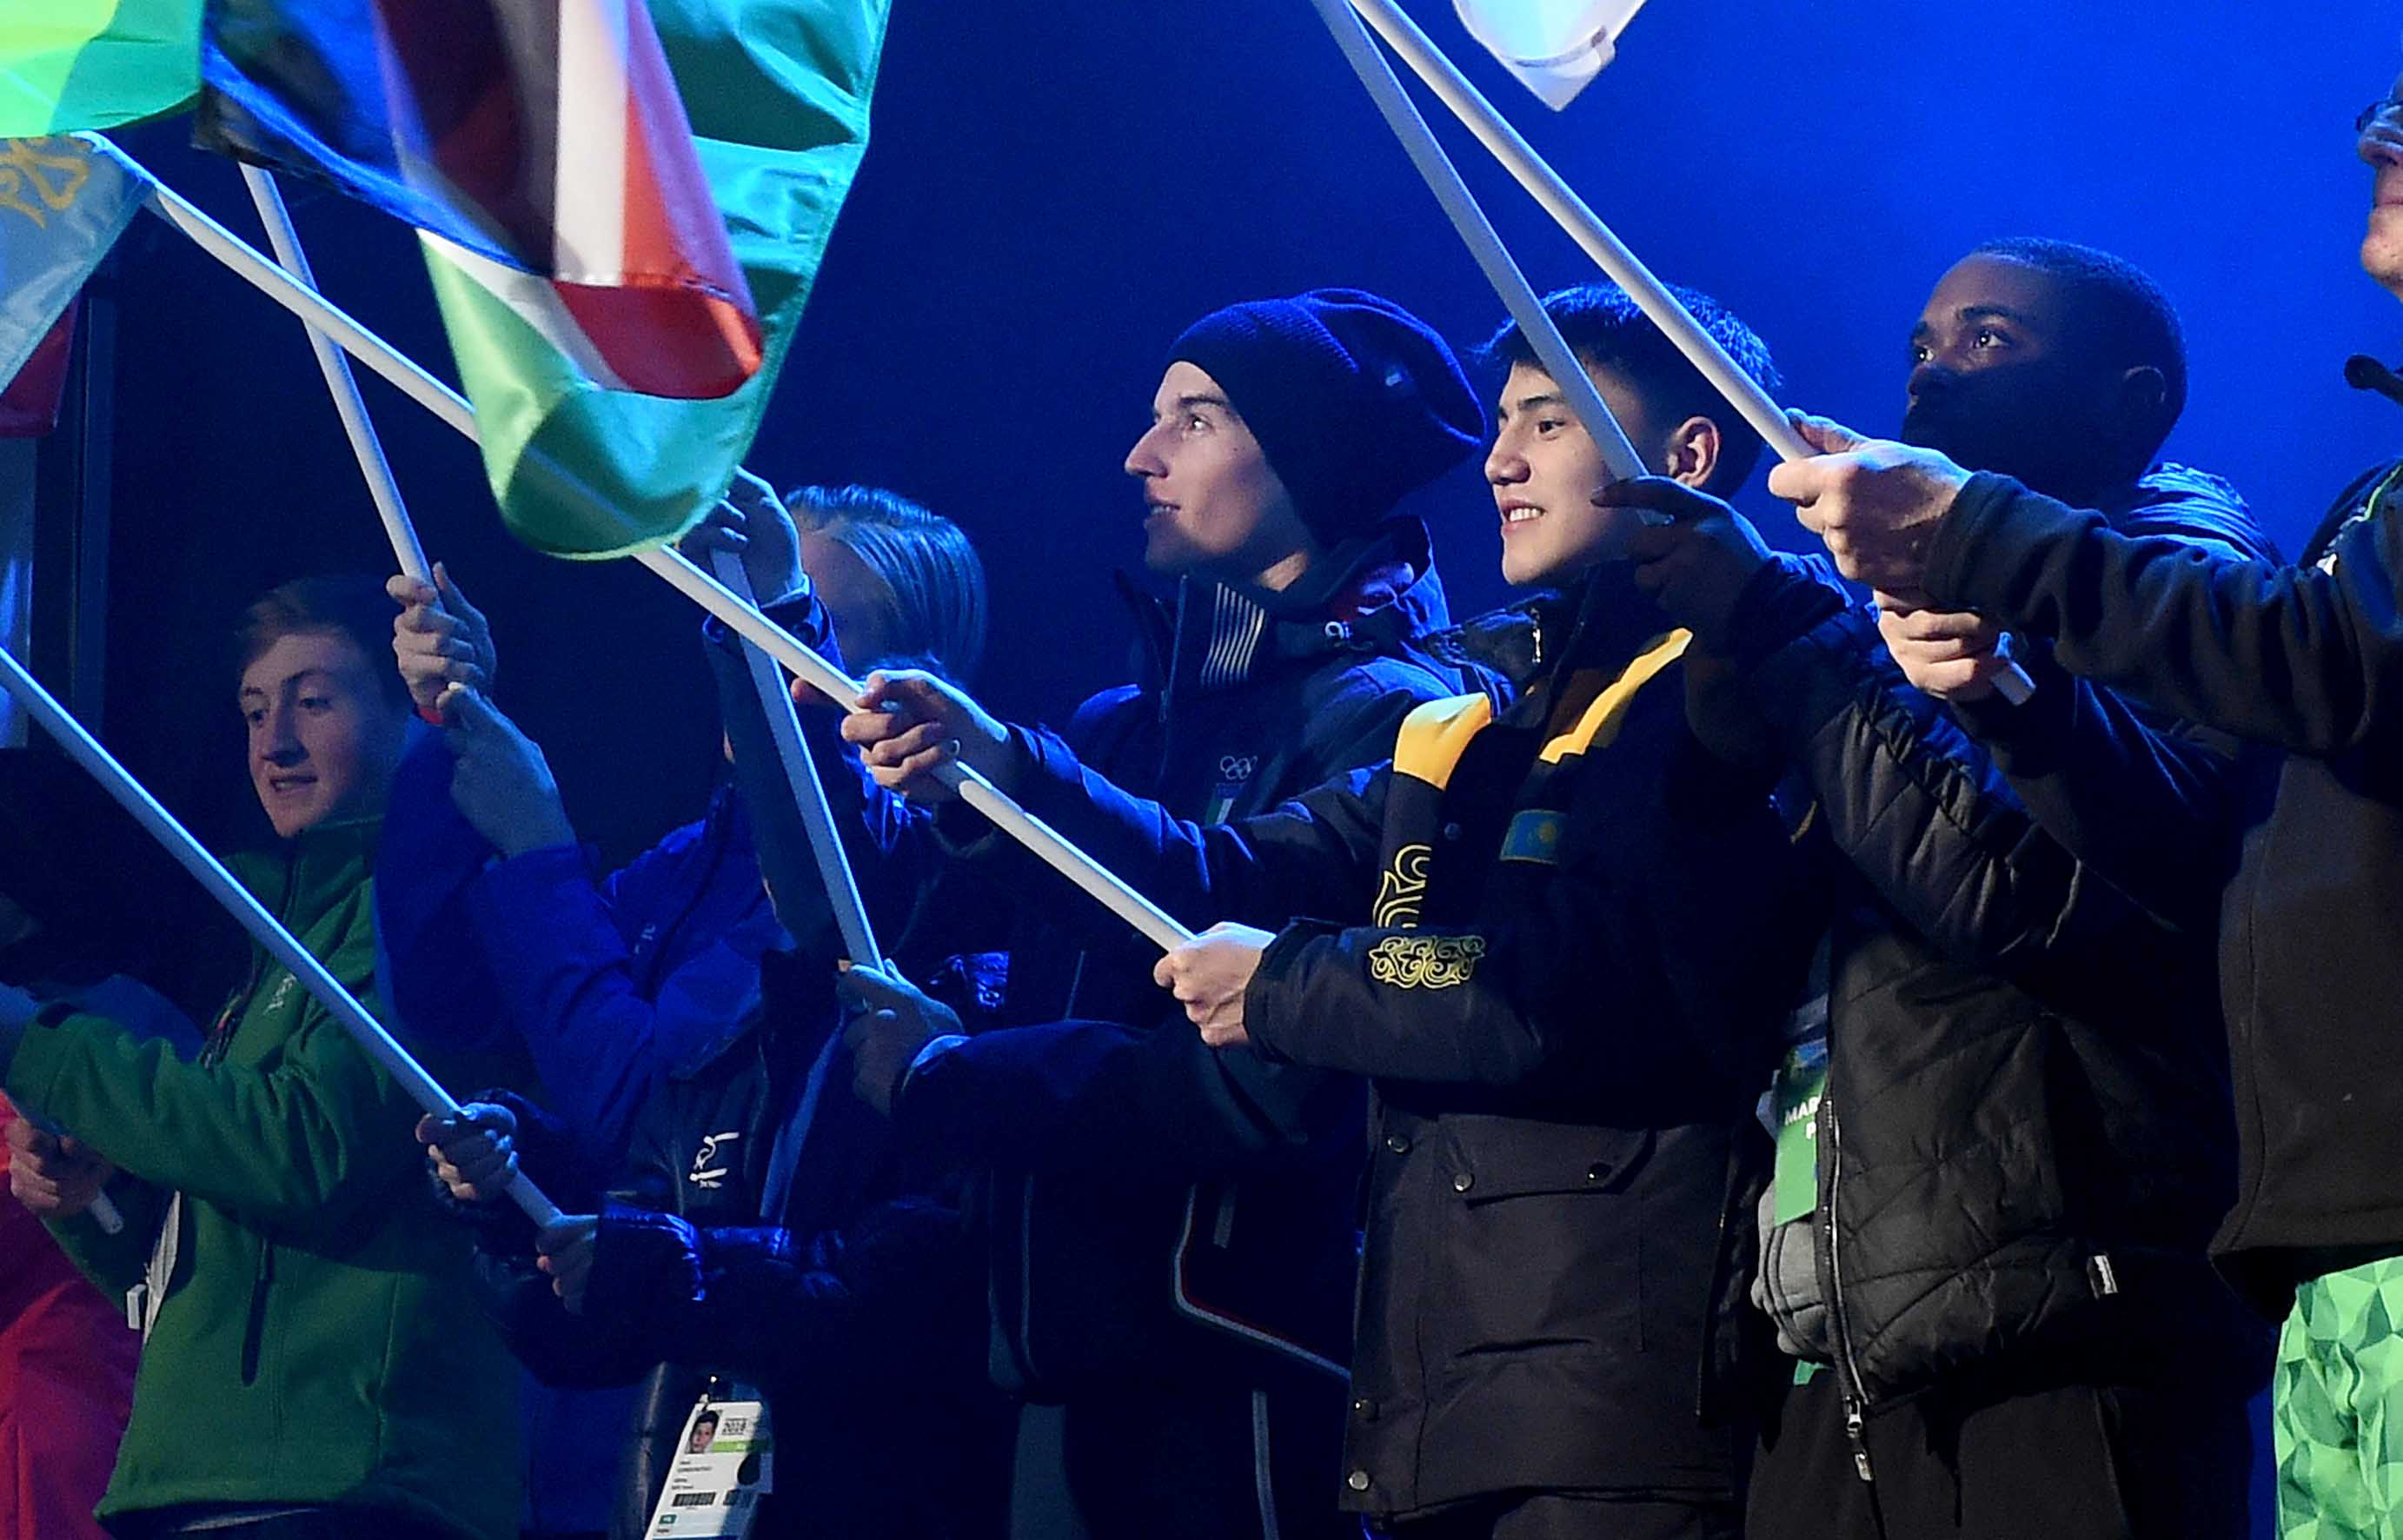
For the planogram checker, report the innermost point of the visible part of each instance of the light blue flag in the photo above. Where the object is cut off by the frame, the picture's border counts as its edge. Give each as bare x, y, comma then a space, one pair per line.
63, 203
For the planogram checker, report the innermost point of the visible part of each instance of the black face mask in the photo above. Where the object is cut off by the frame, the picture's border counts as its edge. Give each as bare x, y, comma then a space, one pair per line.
2016, 421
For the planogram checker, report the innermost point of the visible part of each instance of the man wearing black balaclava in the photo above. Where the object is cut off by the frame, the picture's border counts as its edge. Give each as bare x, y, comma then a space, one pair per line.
2003, 1134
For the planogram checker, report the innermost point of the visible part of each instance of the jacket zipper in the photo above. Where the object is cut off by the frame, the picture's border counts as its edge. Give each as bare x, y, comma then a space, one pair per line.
1855, 1401
1176, 655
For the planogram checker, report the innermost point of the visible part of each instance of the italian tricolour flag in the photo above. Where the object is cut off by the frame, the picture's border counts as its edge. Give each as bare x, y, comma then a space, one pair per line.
623, 203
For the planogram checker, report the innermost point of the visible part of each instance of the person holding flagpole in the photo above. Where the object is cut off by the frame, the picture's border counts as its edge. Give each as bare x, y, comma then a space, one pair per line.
675, 1017
1171, 1231
2016, 1082
1556, 934
2304, 658
314, 1368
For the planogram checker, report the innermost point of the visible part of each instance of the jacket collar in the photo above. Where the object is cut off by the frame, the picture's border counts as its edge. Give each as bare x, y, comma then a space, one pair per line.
1373, 594
311, 873
1602, 621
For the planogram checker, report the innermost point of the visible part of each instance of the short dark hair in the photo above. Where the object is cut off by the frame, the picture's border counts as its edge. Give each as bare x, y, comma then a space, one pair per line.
925, 559
343, 603
1604, 327
2136, 325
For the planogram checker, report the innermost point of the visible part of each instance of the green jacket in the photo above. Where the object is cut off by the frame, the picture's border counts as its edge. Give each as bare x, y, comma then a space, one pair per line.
319, 1342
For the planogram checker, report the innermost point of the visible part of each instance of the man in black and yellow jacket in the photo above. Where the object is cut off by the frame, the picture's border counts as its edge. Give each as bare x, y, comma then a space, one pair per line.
1580, 936
315, 1366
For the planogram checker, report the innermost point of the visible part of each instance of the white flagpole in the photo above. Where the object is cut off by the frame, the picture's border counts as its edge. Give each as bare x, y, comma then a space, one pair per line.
1156, 925
1598, 242
850, 915
1570, 212
342, 384
1046, 842
262, 275
1518, 295
785, 729
264, 927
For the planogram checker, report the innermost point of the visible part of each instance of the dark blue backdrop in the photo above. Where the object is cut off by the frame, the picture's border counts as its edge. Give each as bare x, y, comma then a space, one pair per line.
1056, 187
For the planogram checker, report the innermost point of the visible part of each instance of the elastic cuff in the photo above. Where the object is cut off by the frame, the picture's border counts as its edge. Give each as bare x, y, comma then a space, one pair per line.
1262, 1022
936, 1047
1952, 560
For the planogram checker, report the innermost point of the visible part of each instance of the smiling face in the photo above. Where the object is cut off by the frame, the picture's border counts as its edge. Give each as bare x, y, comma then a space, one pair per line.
1215, 507
2381, 245
1544, 469
325, 734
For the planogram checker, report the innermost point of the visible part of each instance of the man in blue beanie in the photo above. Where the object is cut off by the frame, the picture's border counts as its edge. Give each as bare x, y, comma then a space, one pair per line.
1172, 1230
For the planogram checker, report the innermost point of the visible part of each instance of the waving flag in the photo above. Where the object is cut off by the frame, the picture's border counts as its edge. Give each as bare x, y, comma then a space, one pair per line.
63, 203
30, 403
544, 151
543, 134
68, 65
778, 92
1554, 47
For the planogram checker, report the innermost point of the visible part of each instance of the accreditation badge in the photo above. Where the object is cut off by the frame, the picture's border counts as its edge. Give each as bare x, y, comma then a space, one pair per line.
724, 1464
1801, 1086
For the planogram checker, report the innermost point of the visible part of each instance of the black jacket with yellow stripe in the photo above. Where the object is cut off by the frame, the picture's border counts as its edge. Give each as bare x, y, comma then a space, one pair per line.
1580, 936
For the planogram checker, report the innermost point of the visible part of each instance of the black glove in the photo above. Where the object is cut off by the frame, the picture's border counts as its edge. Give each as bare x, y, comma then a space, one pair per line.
646, 1266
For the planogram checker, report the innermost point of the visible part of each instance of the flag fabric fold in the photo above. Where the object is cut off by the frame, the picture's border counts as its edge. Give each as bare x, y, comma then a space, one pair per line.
544, 135
778, 96
30, 403
73, 65
598, 183
1555, 48
63, 201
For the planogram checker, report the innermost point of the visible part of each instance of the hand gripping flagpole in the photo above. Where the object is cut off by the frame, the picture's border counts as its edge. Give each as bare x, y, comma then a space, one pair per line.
104, 1210
850, 915
1156, 924
1518, 295
1047, 843
1596, 239
264, 927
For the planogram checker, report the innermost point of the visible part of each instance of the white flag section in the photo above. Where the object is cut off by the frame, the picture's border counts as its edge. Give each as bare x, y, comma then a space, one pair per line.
1554, 47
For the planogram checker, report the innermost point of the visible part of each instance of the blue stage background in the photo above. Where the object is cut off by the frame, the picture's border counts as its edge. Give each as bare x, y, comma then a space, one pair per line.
1056, 187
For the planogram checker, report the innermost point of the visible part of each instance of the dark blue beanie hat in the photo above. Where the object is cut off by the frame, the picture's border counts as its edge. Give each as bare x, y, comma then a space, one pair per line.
1354, 400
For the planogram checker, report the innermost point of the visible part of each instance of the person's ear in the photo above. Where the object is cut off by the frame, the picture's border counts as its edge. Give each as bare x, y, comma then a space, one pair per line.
2138, 403
1692, 455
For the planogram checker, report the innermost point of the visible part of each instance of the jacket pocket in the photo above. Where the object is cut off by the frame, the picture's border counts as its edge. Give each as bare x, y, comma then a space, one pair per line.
1542, 1245
1492, 1159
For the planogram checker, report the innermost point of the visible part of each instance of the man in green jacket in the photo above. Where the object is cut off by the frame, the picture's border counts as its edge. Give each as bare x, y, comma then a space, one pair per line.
314, 1367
